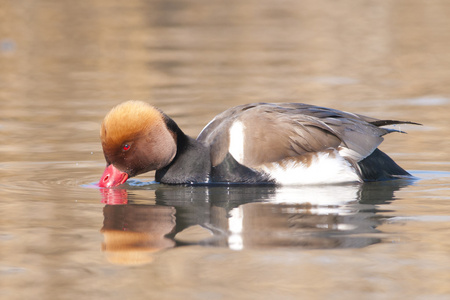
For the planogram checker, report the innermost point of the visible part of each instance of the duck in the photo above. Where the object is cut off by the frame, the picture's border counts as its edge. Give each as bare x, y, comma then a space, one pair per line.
258, 143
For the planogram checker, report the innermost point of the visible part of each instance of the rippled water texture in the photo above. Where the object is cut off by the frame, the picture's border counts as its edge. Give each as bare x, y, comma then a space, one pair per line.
64, 64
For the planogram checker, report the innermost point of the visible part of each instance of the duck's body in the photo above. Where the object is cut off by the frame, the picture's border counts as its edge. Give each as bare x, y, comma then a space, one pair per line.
289, 143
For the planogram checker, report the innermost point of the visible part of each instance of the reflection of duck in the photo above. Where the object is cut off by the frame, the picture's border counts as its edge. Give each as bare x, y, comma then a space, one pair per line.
133, 232
286, 143
248, 217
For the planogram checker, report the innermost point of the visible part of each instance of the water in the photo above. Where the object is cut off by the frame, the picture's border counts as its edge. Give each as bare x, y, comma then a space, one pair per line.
64, 64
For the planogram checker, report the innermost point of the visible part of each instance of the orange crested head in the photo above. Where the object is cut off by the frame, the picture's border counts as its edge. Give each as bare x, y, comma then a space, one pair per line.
135, 139
127, 121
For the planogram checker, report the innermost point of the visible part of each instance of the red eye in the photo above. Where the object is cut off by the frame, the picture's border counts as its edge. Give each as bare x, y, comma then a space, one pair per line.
126, 147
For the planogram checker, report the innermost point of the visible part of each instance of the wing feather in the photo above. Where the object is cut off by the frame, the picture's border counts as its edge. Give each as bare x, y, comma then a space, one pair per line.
277, 131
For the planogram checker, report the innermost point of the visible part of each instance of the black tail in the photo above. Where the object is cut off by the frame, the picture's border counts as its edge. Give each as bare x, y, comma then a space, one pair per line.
380, 123
379, 166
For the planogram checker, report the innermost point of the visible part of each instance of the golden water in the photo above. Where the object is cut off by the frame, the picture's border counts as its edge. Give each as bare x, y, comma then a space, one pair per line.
64, 64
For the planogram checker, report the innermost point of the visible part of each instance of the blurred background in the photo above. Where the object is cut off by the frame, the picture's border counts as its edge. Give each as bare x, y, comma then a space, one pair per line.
64, 64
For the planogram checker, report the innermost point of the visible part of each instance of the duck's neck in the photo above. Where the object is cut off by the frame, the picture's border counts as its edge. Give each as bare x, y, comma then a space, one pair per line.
191, 163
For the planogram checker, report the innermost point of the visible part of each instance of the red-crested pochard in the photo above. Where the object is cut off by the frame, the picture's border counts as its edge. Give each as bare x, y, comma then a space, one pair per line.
285, 143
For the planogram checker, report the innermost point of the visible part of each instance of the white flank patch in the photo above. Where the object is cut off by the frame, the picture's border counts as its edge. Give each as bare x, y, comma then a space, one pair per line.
324, 169
333, 197
236, 147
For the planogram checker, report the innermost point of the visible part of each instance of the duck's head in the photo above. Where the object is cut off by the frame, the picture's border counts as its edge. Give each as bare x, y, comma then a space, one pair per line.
135, 139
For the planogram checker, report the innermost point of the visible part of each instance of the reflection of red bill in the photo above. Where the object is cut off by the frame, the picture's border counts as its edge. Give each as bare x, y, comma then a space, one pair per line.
114, 196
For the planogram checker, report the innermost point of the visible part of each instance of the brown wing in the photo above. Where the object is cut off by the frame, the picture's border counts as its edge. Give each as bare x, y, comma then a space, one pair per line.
277, 131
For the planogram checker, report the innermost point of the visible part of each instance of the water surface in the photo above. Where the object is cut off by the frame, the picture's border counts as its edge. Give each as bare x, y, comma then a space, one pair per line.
64, 64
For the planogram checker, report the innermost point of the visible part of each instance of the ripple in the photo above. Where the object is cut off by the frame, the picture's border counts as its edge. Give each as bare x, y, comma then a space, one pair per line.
426, 174
420, 219
46, 178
